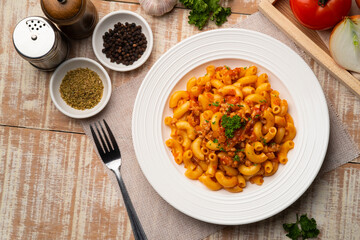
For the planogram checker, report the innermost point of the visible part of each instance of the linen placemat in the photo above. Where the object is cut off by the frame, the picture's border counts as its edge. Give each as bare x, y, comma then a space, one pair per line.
159, 219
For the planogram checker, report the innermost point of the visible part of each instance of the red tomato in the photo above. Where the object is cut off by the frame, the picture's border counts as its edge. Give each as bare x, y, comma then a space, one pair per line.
320, 14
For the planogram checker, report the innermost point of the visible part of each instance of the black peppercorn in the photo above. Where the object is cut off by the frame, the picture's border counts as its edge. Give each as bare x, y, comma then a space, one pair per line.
124, 44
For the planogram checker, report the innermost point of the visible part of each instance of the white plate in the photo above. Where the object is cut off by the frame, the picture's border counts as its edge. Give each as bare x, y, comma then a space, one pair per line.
288, 74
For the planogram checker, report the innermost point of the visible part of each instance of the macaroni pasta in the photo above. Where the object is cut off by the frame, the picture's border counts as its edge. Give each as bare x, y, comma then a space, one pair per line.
229, 128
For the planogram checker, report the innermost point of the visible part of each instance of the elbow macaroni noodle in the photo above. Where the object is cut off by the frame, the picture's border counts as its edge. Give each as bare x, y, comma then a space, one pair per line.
230, 127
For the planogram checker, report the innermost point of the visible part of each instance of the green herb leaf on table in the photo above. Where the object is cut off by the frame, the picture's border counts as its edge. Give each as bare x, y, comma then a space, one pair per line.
220, 15
308, 228
202, 10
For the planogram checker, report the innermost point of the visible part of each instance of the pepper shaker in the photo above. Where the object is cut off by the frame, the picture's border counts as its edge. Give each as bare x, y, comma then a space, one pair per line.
38, 41
76, 18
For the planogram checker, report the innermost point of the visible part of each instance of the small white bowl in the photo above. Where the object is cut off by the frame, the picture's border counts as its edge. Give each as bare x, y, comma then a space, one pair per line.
108, 22
59, 75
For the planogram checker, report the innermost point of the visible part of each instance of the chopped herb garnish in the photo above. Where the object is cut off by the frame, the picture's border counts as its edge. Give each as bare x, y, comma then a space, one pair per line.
206, 120
231, 124
213, 122
222, 149
227, 67
262, 101
224, 99
239, 105
257, 116
231, 104
245, 68
237, 158
216, 104
249, 118
263, 140
215, 140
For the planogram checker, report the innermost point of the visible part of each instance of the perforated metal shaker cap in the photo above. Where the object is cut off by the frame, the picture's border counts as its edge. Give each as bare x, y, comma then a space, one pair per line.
34, 37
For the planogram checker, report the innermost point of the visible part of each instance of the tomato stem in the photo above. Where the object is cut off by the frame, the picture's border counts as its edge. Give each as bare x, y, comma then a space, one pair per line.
322, 3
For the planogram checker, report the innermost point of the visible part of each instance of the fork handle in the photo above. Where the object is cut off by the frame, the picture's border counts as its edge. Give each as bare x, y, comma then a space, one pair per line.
138, 231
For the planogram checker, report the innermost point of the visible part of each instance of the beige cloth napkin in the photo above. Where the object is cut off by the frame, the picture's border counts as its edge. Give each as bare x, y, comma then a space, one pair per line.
159, 219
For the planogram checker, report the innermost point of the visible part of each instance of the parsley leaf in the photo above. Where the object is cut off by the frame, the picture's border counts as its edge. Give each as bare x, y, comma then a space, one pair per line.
263, 140
308, 228
216, 104
199, 19
231, 124
293, 229
215, 140
202, 10
237, 158
220, 15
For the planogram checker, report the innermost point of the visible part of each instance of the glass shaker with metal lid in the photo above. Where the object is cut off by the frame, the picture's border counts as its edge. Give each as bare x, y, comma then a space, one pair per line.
76, 18
39, 42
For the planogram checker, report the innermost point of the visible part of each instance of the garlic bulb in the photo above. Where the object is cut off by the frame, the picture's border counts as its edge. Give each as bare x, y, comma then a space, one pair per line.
157, 7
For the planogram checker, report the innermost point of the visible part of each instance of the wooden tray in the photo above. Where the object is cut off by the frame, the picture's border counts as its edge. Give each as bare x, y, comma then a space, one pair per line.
280, 14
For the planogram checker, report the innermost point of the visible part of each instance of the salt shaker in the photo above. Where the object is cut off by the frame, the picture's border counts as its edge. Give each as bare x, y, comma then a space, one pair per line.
38, 41
76, 18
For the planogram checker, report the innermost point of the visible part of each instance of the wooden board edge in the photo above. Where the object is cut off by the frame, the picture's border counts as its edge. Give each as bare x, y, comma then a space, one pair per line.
267, 8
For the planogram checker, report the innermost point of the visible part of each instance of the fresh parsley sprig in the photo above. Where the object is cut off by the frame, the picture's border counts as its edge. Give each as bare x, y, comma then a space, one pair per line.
308, 228
202, 10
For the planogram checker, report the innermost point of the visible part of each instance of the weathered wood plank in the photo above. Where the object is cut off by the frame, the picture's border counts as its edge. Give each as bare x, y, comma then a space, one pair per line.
52, 185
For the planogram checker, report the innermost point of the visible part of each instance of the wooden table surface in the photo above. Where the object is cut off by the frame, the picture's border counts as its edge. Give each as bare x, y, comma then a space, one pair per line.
53, 186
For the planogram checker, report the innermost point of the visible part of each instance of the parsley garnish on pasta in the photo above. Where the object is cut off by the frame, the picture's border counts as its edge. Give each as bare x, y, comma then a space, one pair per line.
231, 124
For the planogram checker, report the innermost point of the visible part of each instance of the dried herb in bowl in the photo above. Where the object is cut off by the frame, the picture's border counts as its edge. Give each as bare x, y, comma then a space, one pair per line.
81, 88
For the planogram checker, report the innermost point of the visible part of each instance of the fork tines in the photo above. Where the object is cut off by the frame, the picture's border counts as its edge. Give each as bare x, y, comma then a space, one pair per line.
108, 149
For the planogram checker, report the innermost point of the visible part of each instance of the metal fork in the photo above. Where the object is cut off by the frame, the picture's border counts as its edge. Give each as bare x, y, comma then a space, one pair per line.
111, 156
